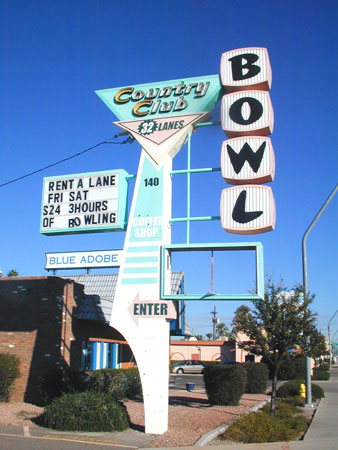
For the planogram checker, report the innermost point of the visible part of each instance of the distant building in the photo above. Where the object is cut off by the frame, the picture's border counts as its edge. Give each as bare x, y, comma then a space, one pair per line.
221, 351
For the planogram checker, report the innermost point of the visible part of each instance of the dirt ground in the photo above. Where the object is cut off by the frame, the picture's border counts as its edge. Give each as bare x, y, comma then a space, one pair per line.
190, 416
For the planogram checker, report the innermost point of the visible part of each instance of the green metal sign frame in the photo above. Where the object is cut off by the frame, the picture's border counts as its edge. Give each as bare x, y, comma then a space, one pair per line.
166, 251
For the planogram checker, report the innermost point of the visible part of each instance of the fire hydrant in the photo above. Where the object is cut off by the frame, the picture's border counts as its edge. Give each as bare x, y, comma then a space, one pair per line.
302, 390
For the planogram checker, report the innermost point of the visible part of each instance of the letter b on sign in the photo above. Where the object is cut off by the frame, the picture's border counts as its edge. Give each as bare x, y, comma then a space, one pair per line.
246, 68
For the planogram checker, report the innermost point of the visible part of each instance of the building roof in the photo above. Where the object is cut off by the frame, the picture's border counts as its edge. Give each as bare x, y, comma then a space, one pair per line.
99, 292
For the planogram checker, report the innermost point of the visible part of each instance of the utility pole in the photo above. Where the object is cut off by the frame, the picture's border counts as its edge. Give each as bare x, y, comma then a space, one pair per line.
329, 332
305, 287
214, 323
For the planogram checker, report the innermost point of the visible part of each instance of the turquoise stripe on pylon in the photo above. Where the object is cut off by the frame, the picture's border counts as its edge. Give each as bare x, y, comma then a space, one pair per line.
141, 270
141, 259
139, 280
145, 248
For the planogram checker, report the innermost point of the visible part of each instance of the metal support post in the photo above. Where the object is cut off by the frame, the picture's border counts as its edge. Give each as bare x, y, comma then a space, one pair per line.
305, 287
329, 334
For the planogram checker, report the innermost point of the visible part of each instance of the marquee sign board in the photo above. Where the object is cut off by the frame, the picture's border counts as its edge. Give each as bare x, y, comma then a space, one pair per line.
83, 260
83, 203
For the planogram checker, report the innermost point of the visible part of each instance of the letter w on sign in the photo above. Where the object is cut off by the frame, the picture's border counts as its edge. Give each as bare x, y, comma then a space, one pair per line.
248, 160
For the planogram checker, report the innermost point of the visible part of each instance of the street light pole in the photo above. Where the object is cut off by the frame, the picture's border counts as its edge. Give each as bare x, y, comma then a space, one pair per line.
305, 286
328, 328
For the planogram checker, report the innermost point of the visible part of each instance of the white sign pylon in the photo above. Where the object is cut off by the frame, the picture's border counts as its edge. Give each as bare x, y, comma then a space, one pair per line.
139, 277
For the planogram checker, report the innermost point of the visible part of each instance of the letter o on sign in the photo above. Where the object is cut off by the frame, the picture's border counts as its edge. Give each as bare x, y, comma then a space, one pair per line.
247, 113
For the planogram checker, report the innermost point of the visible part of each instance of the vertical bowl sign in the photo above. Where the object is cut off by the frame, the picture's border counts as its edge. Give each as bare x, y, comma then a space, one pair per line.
84, 203
247, 158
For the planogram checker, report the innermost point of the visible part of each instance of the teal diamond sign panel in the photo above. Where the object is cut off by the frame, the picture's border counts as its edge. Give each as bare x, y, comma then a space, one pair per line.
163, 98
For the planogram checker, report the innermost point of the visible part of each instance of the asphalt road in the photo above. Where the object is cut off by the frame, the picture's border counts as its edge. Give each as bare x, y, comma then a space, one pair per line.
11, 440
178, 381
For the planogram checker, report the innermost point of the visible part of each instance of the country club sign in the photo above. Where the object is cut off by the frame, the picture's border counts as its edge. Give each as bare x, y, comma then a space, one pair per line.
158, 114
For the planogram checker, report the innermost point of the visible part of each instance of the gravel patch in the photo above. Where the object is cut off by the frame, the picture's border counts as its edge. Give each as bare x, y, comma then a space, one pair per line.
190, 416
18, 414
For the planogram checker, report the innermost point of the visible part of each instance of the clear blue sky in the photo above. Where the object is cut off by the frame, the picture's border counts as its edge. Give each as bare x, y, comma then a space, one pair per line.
54, 55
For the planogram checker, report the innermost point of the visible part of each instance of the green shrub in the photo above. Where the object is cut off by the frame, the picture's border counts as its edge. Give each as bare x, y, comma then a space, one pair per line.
320, 375
324, 366
256, 378
224, 385
60, 381
296, 400
289, 389
260, 427
85, 411
282, 409
9, 371
292, 368
317, 391
292, 389
121, 383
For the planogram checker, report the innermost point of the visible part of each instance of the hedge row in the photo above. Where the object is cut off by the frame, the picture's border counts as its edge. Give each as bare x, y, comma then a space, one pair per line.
320, 375
260, 427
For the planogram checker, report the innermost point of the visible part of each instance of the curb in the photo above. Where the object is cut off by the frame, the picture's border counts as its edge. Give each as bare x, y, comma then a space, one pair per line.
208, 437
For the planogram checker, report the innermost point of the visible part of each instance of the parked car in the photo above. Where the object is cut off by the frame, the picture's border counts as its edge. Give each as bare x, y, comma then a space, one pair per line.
188, 366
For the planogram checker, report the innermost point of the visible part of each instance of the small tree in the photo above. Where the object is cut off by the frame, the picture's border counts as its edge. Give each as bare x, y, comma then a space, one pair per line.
223, 331
13, 273
280, 322
208, 336
317, 345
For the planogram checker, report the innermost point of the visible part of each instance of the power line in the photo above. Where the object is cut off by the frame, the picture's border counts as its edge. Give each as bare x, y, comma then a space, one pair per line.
129, 139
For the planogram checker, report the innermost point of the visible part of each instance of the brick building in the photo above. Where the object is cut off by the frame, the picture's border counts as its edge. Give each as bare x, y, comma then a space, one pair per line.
49, 322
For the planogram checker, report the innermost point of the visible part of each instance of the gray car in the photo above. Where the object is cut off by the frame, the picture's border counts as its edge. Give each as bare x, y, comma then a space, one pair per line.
188, 366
